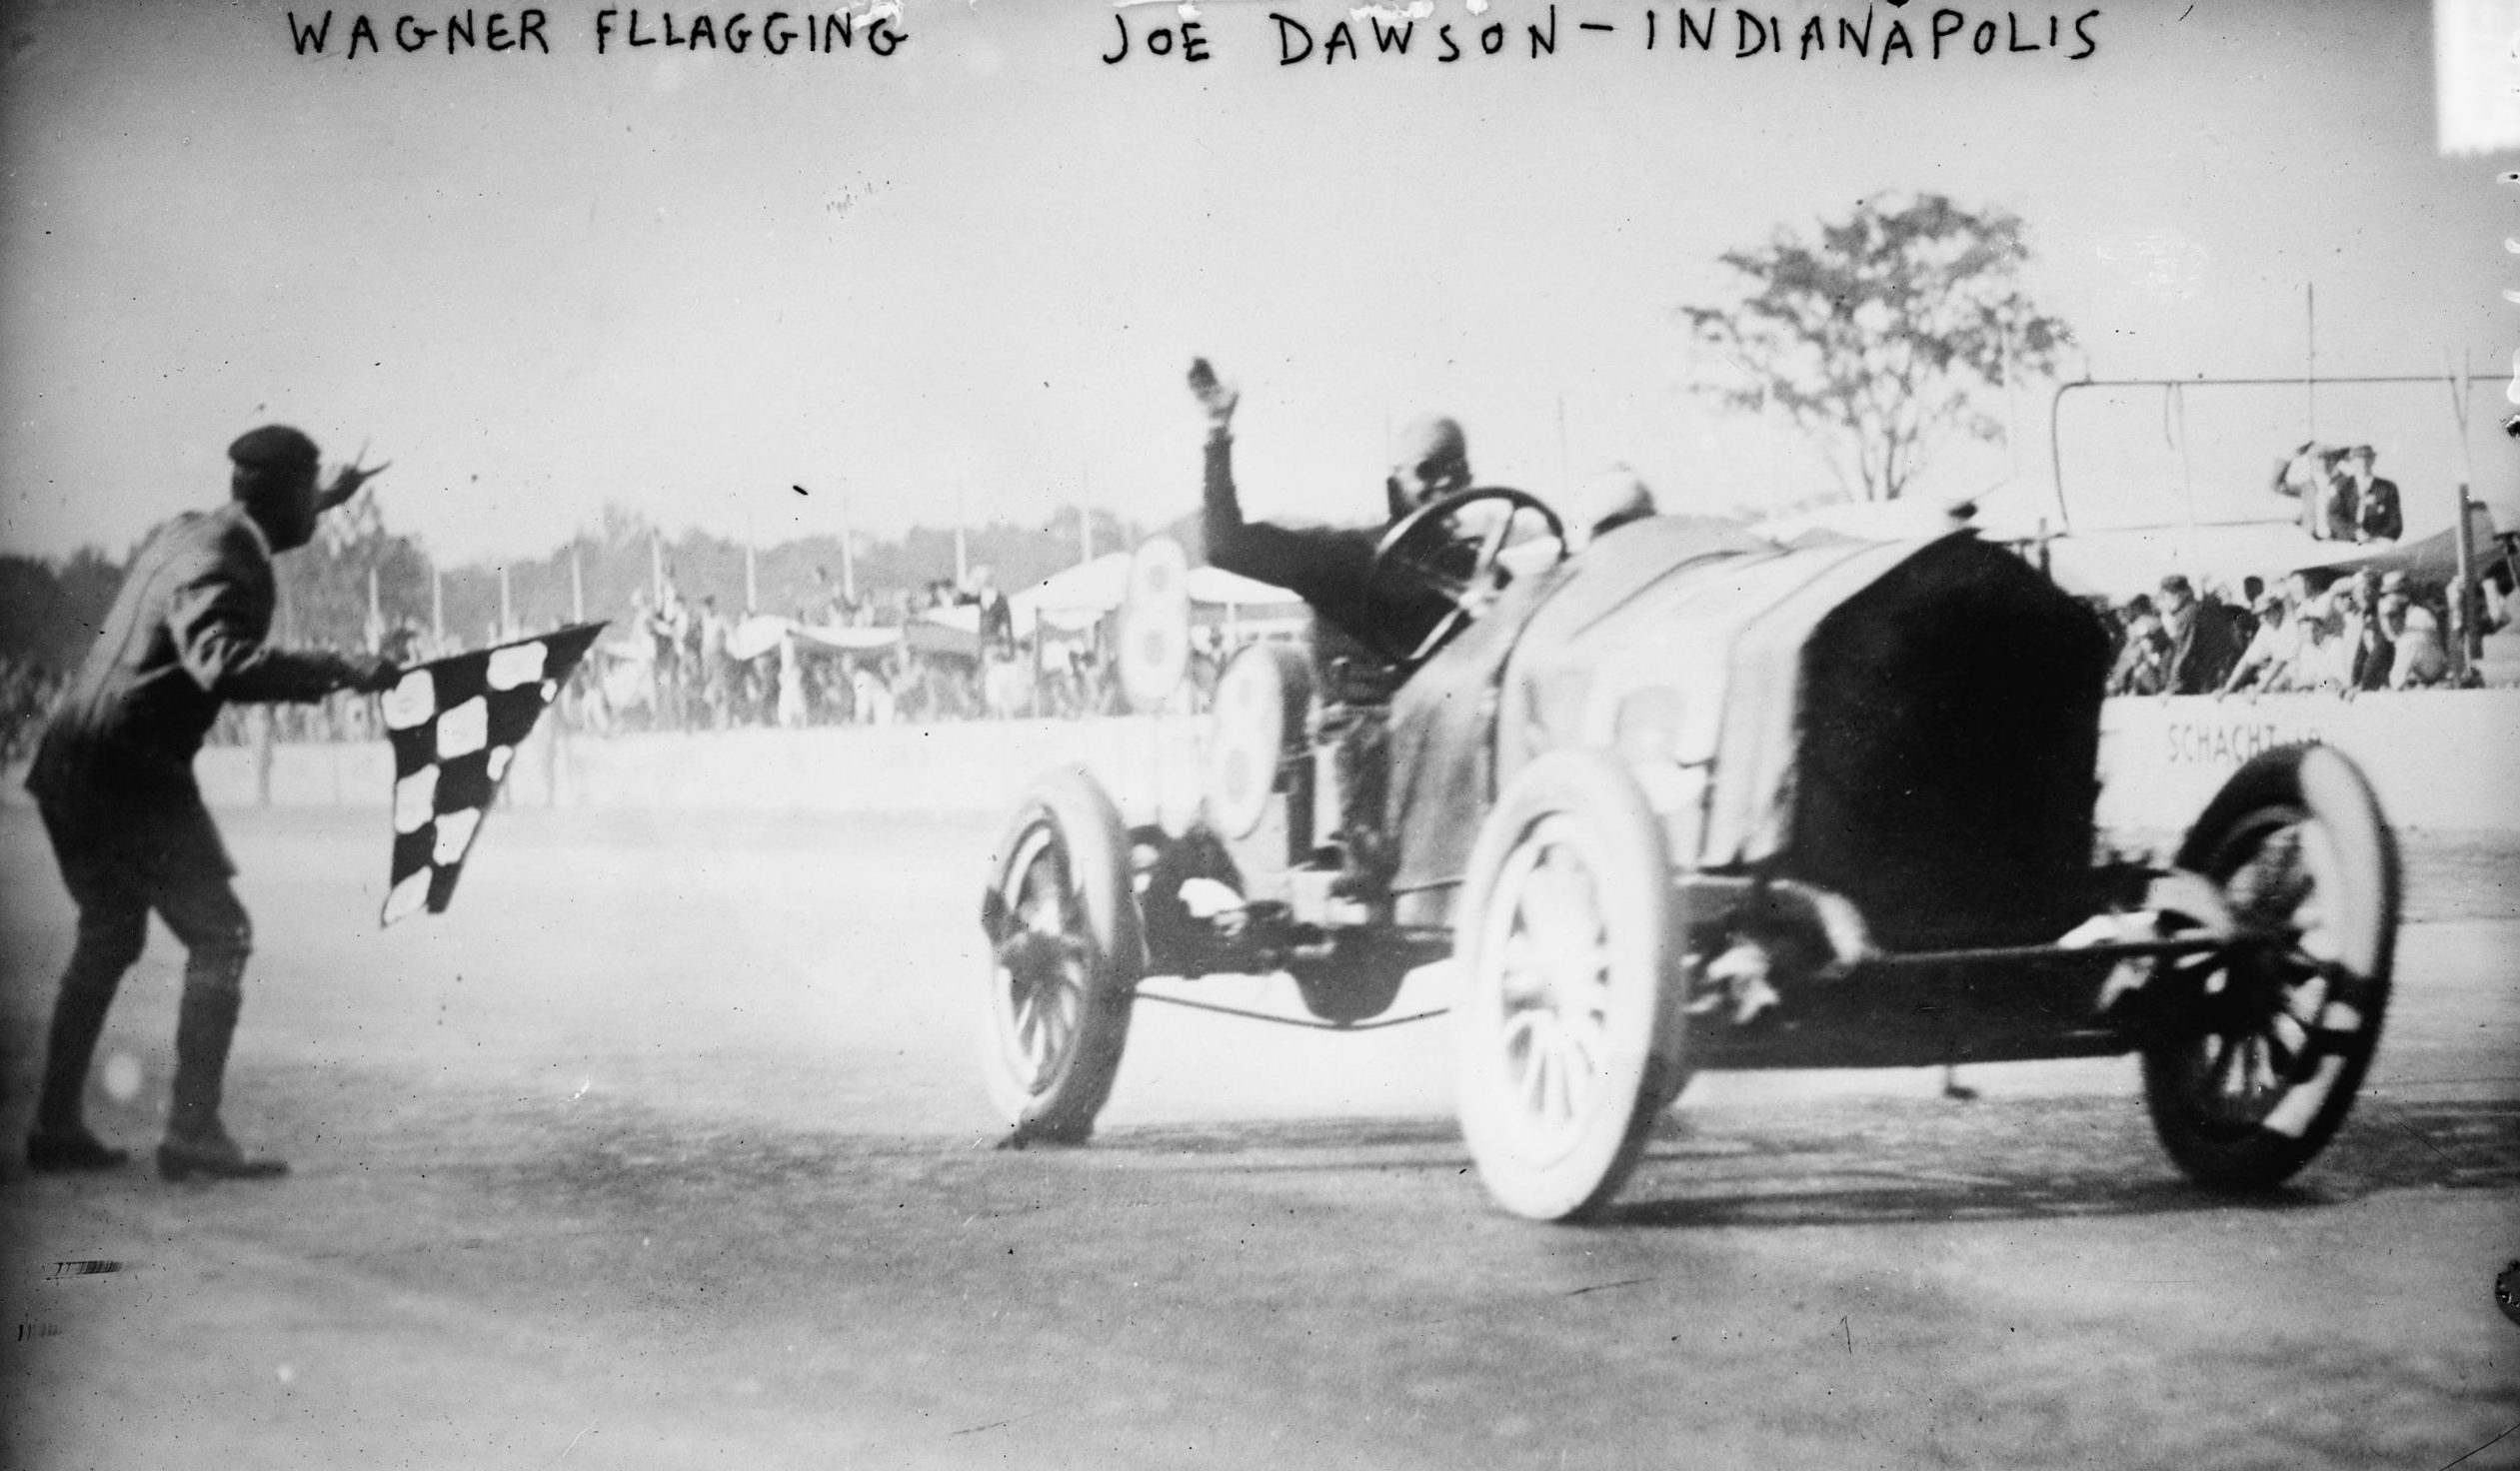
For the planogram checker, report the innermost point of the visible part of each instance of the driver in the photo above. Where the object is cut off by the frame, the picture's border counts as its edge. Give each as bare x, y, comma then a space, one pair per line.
1329, 568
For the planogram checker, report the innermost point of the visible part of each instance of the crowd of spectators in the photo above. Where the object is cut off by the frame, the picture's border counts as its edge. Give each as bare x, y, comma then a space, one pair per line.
689, 666
684, 666
2362, 630
2343, 633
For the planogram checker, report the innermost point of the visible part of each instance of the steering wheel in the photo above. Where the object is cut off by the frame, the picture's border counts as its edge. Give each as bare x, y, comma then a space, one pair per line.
1421, 553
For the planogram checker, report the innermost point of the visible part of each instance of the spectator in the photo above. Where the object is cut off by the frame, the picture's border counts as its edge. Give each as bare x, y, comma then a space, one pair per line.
791, 705
2274, 649
669, 628
2310, 475
2418, 654
710, 630
870, 696
2367, 506
2491, 599
2322, 651
997, 615
2143, 650
2201, 645
2244, 613
831, 603
2365, 632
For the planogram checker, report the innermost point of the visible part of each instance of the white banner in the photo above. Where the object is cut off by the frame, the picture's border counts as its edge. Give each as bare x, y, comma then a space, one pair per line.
2476, 74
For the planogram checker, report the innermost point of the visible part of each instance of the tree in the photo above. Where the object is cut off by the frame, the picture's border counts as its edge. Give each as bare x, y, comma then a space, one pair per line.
1877, 339
323, 588
49, 615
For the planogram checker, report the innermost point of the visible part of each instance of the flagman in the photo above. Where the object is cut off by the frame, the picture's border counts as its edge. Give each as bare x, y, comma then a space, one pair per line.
114, 782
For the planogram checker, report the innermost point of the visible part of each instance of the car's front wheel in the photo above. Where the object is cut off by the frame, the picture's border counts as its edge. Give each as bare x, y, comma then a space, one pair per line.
2256, 1051
1568, 1046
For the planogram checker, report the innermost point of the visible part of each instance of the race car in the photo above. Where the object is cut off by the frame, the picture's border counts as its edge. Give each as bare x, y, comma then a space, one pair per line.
1691, 799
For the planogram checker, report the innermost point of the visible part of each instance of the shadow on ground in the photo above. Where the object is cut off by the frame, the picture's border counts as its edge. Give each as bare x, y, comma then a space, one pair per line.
1888, 1162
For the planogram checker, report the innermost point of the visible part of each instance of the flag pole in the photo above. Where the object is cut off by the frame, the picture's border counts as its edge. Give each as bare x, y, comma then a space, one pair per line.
847, 552
962, 556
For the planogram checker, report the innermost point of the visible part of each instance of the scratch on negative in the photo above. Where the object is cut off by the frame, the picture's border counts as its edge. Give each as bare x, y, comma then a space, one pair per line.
1607, 1286
2413, 1133
2489, 1445
573, 1443
993, 1425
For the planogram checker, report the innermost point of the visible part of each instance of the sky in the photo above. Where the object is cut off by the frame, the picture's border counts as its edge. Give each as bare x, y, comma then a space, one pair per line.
967, 278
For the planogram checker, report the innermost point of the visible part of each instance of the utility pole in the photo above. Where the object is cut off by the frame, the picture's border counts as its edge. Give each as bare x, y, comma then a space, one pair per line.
2012, 400
2467, 640
751, 575
847, 551
962, 556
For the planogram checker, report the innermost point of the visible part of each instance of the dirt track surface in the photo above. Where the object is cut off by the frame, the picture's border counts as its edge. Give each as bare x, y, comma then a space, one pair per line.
665, 1148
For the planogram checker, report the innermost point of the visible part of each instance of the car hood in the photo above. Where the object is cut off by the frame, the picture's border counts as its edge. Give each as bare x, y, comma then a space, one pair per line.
1720, 620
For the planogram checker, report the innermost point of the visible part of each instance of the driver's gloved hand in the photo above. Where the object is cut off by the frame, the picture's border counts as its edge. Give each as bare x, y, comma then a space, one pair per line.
1213, 395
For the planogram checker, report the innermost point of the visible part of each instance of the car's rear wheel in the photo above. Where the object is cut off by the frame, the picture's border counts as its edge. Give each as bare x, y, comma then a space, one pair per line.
1568, 1046
1066, 954
2255, 1051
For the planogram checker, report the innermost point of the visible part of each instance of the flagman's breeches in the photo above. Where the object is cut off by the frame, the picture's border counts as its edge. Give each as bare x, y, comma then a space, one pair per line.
117, 871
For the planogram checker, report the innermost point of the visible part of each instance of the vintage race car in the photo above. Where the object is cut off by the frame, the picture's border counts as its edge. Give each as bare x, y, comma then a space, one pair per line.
1691, 799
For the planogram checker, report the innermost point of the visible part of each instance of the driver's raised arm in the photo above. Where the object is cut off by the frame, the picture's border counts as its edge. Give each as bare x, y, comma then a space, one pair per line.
1325, 568
1224, 510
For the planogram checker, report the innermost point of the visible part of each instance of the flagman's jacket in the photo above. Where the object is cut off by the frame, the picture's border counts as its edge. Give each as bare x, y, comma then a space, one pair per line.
186, 635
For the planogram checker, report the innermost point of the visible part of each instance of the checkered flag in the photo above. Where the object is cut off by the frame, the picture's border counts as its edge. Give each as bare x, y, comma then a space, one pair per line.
455, 724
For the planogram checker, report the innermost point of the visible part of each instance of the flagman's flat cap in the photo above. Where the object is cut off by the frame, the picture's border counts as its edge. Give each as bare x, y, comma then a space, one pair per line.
272, 447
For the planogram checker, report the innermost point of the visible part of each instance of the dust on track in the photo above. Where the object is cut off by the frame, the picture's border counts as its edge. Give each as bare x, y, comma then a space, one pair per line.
664, 1148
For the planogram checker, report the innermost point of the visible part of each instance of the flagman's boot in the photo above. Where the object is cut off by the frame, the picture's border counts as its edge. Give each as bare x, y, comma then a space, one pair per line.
195, 1142
60, 1140
213, 1154
57, 1151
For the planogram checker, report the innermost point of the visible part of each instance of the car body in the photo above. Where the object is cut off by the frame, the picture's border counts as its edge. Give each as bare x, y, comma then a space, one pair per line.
1693, 799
